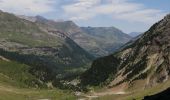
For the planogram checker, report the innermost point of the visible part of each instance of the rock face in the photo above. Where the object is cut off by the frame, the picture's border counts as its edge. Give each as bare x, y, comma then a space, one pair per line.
49, 52
147, 59
160, 96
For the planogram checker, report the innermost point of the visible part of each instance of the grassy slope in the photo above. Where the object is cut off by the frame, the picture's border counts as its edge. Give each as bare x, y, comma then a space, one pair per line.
13, 93
13, 76
16, 74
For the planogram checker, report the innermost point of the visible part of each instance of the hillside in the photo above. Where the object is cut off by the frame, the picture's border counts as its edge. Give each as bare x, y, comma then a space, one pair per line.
99, 41
49, 53
144, 63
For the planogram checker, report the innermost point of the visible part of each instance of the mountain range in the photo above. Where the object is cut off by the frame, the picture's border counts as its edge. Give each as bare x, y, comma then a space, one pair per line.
54, 50
38, 54
98, 41
50, 53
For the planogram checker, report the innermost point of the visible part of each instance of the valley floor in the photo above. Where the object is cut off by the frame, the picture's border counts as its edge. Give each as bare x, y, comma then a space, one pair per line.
8, 92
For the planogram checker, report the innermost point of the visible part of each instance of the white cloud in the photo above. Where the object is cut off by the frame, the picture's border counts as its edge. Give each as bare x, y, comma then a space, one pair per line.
84, 9
81, 7
27, 6
144, 16
118, 9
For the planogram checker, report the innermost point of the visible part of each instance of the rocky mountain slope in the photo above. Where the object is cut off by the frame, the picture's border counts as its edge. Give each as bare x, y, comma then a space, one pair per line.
51, 54
147, 60
99, 41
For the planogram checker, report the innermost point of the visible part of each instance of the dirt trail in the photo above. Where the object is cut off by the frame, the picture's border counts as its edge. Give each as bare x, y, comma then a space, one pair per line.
100, 94
3, 58
3, 88
118, 90
15, 90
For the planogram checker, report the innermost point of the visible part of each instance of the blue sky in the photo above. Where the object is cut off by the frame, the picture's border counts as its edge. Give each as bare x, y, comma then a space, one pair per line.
127, 15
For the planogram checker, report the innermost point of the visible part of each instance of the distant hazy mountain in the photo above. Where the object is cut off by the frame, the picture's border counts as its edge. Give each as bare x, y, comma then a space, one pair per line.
107, 39
134, 34
133, 40
142, 64
48, 52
